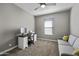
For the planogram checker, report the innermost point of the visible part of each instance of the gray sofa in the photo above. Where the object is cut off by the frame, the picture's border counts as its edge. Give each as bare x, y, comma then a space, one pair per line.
68, 47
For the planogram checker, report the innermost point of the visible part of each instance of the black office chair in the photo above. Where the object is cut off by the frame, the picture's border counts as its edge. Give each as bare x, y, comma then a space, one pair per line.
30, 38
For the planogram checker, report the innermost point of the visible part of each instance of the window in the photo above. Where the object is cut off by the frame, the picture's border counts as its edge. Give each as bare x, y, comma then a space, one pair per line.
48, 27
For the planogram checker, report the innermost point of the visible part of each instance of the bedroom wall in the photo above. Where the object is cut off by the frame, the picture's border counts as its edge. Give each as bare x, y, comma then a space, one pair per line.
74, 22
62, 25
12, 18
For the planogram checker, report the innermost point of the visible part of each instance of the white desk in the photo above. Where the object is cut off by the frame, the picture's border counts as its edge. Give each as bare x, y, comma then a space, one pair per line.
22, 42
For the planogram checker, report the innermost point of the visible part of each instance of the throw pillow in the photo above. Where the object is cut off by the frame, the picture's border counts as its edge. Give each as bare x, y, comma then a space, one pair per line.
76, 52
76, 44
72, 39
65, 38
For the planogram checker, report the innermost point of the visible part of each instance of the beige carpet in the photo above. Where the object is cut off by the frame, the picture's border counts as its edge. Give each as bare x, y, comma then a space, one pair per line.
40, 48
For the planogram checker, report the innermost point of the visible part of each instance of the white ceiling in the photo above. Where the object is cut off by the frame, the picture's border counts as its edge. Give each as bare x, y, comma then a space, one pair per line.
29, 7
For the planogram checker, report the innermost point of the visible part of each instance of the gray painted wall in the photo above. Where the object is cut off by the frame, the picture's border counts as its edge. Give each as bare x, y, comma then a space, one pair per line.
62, 25
74, 25
11, 19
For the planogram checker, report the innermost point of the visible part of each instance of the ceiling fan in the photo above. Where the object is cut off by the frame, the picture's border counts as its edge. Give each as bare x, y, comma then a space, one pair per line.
43, 5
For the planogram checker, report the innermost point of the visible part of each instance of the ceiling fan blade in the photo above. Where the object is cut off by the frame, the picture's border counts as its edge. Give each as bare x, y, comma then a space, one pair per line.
37, 8
51, 4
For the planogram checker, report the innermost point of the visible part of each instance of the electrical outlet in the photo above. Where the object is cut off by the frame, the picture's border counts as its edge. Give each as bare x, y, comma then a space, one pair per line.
10, 44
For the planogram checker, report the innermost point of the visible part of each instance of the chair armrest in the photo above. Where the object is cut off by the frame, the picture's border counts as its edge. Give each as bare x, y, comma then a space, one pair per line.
65, 54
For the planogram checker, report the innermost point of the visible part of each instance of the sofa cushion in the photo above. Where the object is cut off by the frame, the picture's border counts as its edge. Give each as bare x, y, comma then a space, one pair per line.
62, 42
72, 39
65, 49
76, 44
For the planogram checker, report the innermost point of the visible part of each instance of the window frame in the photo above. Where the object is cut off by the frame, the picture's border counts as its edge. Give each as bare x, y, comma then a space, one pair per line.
53, 26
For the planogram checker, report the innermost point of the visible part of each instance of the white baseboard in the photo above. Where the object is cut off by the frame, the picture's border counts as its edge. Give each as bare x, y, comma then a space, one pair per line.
7, 50
47, 39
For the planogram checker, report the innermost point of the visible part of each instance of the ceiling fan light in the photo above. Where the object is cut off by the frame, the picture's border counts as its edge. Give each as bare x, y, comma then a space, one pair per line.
43, 5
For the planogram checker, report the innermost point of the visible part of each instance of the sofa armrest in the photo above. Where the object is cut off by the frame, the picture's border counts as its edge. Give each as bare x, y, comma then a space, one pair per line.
65, 54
